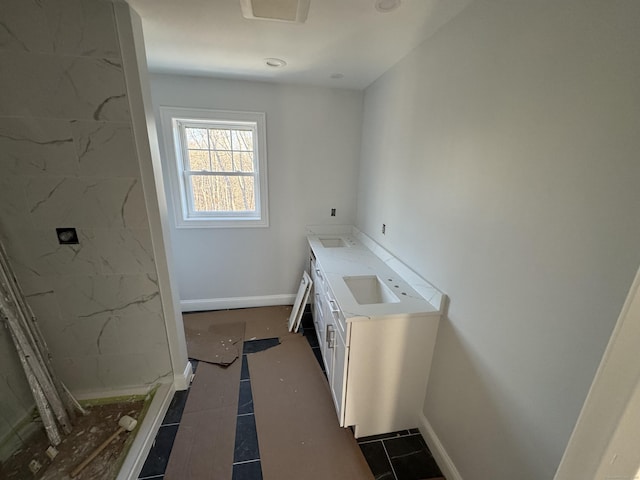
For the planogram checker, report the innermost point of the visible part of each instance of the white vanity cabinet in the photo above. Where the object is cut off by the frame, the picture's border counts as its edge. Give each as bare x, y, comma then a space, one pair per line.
329, 325
377, 355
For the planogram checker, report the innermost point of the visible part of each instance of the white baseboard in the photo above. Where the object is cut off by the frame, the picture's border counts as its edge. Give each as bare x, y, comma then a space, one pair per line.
236, 302
445, 463
182, 380
134, 461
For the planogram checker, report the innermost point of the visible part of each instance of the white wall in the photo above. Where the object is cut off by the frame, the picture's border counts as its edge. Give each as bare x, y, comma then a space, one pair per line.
313, 137
503, 156
68, 159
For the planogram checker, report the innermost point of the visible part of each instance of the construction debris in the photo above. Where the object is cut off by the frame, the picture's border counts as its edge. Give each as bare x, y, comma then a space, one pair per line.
55, 404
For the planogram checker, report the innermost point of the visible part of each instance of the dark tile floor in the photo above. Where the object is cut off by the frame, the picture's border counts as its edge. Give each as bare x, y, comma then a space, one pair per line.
402, 455
158, 458
399, 456
246, 455
395, 456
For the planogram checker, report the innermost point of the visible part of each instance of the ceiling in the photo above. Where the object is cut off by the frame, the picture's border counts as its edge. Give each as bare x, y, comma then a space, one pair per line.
348, 39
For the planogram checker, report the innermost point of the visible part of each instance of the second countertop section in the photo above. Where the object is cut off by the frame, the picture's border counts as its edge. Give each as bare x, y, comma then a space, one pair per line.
344, 259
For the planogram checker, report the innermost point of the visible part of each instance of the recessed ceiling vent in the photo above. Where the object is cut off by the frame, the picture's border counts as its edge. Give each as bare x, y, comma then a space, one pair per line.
279, 10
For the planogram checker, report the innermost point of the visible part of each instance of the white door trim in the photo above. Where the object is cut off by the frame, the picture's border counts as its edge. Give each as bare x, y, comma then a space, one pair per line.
610, 396
146, 140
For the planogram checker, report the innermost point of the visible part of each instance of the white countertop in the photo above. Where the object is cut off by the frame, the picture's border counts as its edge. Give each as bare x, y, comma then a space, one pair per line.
355, 259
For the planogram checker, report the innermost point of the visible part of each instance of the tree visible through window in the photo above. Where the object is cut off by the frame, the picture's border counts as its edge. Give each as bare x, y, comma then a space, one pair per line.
220, 169
220, 160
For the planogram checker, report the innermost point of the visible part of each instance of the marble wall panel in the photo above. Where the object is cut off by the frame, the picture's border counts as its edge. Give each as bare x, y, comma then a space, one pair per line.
60, 334
115, 333
11, 380
82, 27
16, 398
40, 251
13, 202
44, 304
54, 86
124, 251
102, 372
105, 149
68, 159
37, 146
86, 202
64, 27
21, 21
93, 296
99, 252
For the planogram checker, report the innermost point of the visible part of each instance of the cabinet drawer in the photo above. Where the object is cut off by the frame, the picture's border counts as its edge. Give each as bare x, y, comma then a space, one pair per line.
336, 313
318, 278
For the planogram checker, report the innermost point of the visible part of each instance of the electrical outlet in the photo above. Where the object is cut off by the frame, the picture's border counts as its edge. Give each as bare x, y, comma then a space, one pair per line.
384, 229
333, 212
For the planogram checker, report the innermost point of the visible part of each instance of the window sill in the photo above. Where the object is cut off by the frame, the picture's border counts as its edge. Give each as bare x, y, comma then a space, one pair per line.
222, 223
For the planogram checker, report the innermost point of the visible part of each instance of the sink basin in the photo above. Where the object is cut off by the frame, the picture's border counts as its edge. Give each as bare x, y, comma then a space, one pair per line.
332, 242
368, 289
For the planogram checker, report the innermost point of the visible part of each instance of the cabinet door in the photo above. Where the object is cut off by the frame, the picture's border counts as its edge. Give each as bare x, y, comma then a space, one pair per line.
317, 287
328, 347
338, 376
318, 321
314, 279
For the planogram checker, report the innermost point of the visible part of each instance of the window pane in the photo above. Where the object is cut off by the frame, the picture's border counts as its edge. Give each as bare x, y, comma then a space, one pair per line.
196, 137
202, 188
243, 161
222, 161
199, 160
242, 140
242, 189
223, 193
220, 139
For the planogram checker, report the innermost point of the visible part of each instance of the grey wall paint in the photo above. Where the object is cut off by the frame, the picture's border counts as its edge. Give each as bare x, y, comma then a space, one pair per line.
68, 160
503, 156
313, 137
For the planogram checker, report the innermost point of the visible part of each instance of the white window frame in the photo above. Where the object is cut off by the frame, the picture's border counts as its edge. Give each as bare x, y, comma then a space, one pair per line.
173, 120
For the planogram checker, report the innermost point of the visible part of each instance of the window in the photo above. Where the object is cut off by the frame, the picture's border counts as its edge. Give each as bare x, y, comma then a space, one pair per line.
219, 174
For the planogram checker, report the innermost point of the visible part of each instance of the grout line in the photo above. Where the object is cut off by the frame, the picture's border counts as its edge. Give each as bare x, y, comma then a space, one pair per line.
388, 438
170, 424
246, 461
389, 458
371, 441
254, 428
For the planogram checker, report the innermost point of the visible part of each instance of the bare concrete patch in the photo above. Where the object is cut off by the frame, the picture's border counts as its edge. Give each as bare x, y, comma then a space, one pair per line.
88, 433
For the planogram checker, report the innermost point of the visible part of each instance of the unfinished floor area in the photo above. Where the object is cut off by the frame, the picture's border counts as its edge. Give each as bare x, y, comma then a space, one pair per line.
259, 407
34, 462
